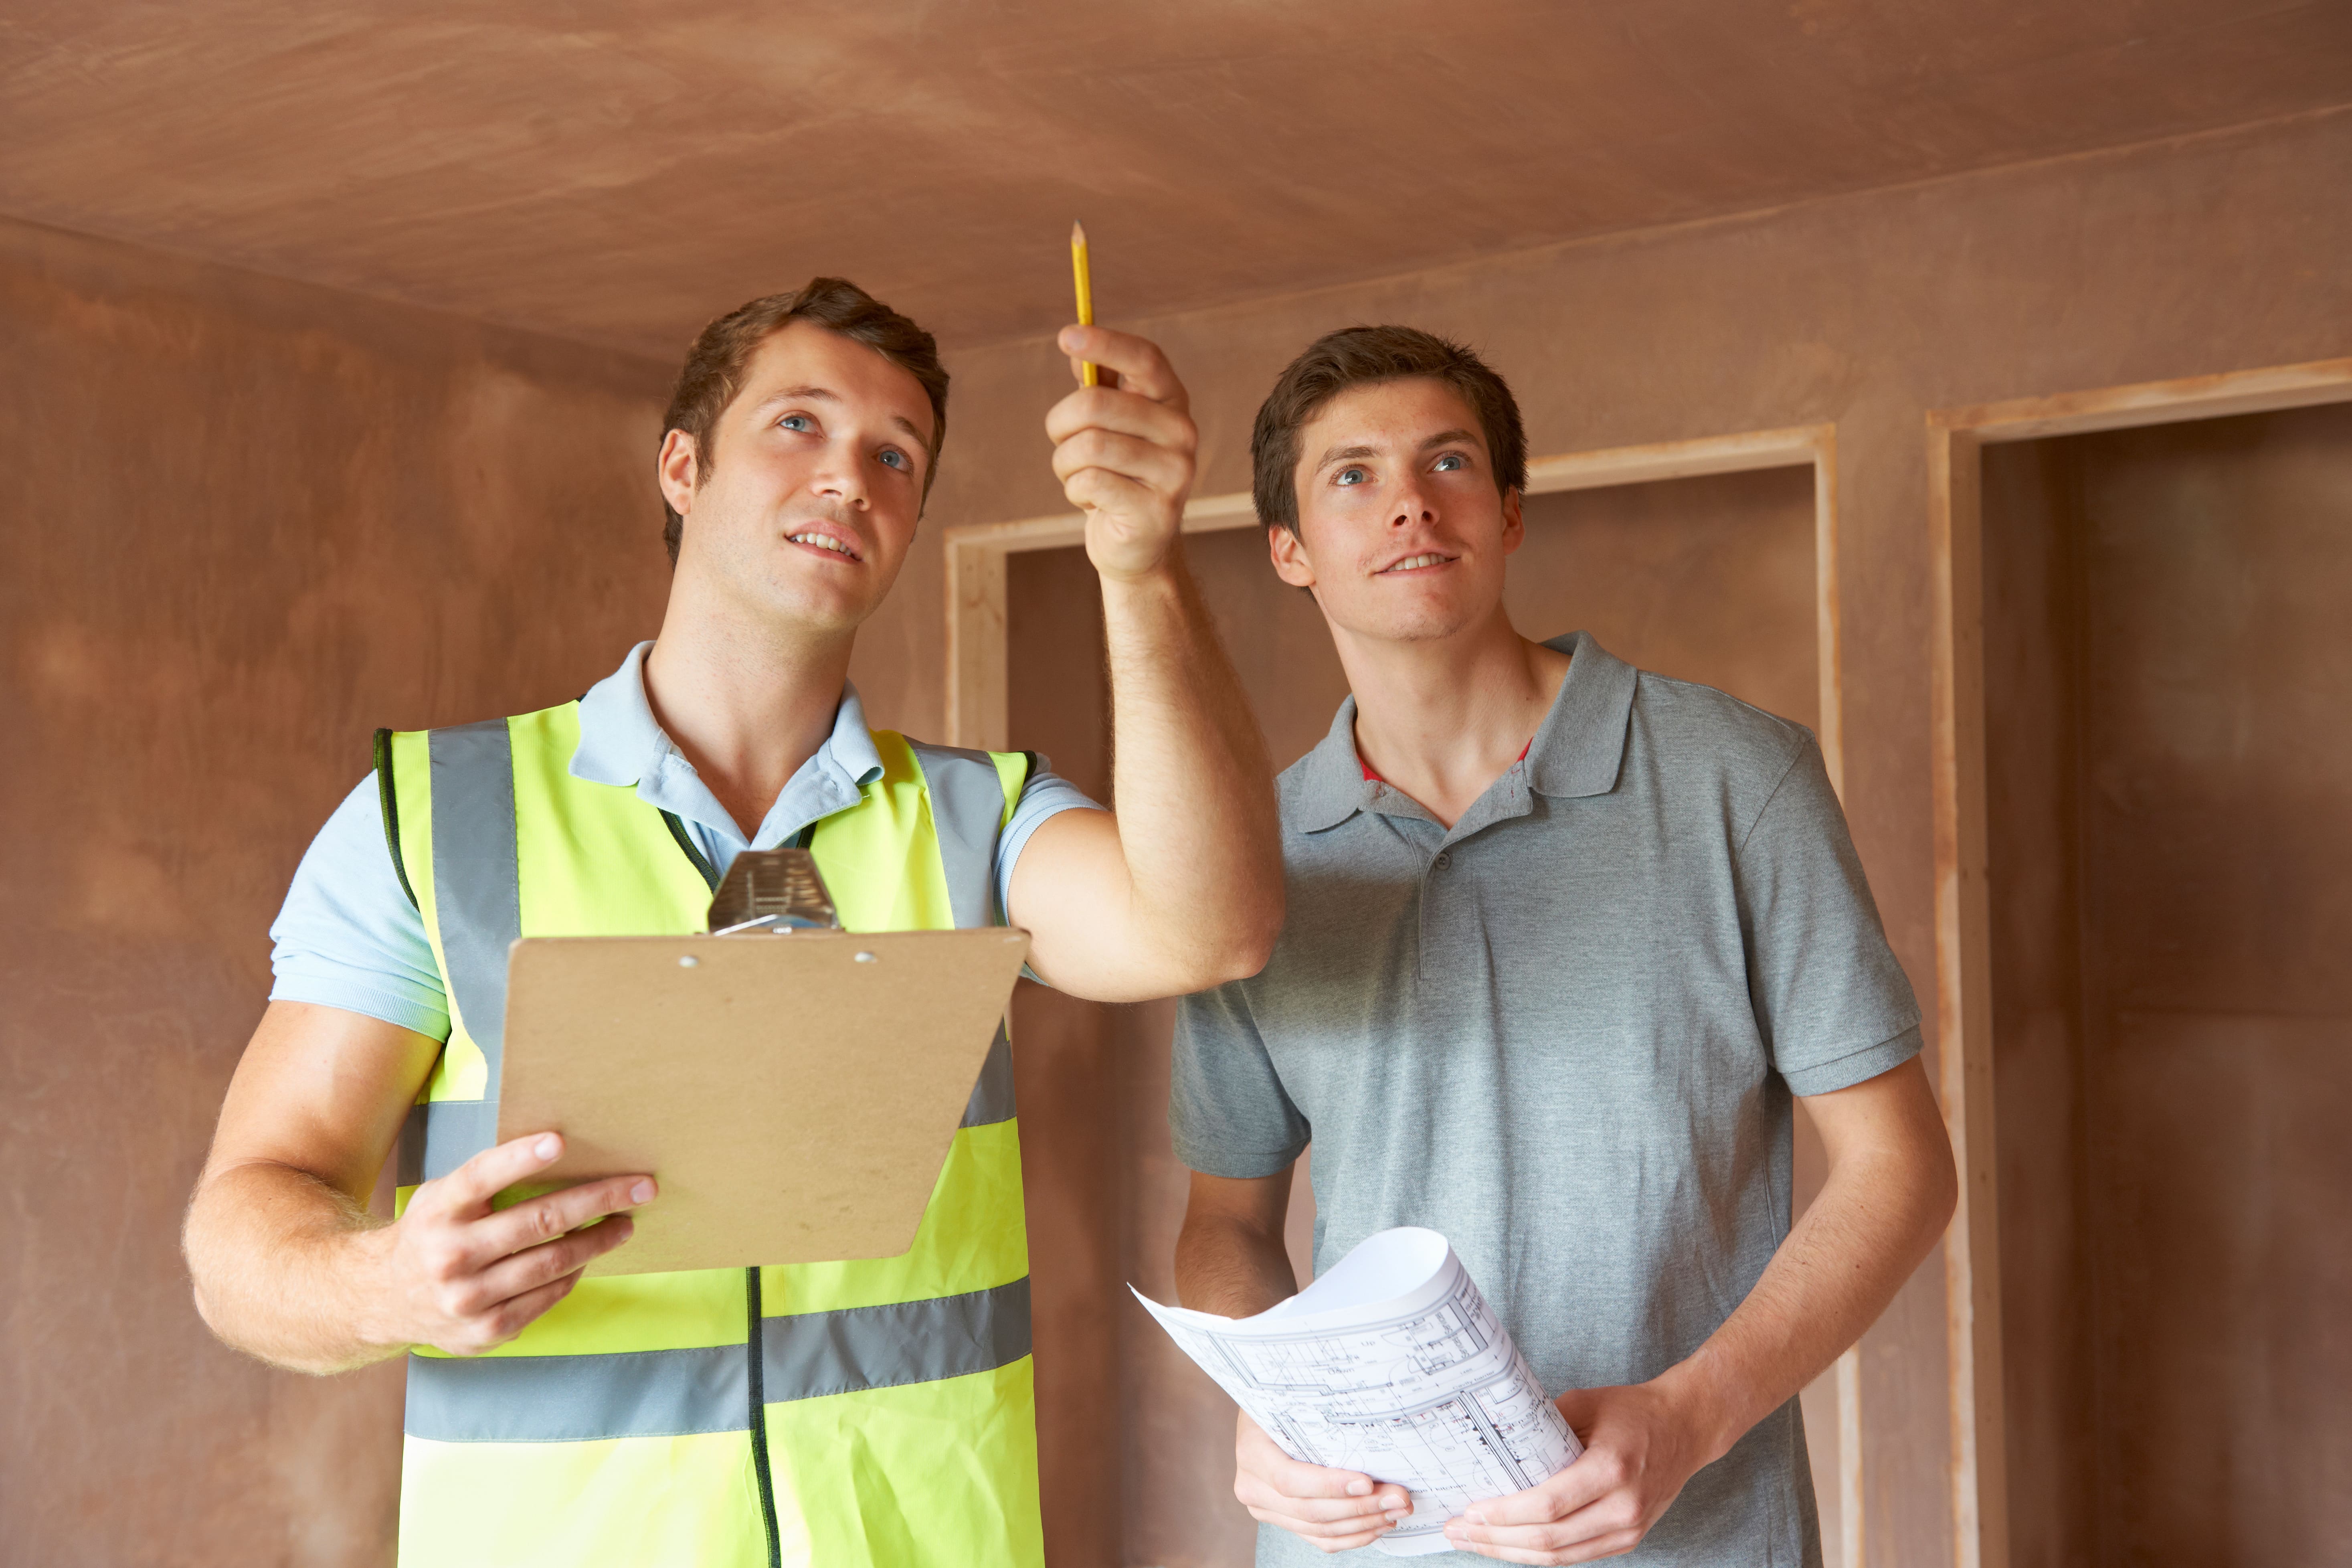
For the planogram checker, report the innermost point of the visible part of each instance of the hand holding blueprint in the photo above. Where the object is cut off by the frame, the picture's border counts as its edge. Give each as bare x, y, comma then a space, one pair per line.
1392, 1364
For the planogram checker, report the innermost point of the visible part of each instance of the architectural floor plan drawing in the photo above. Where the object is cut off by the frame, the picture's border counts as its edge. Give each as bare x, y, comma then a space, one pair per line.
1392, 1363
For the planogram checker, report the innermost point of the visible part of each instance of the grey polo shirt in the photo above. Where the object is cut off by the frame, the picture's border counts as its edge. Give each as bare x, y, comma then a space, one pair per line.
1565, 1033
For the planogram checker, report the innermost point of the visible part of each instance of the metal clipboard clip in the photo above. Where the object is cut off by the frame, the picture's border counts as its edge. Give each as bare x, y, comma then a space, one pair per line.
772, 892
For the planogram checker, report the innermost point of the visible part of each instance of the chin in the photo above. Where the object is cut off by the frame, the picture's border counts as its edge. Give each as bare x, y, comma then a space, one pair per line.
815, 609
1422, 623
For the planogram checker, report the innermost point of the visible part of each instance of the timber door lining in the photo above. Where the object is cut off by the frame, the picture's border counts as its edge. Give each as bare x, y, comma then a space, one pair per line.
1964, 1044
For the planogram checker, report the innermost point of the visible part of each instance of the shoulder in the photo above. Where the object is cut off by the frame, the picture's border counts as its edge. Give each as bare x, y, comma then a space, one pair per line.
1689, 727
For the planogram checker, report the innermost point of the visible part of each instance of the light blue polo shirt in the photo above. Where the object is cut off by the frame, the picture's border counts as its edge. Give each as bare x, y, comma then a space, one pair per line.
348, 937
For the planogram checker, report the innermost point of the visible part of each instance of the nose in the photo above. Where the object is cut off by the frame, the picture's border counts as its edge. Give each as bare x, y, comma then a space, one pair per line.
1411, 507
840, 475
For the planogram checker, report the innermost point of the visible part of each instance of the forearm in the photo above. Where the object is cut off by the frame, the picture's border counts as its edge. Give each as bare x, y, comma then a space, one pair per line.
281, 1264
1232, 1268
1875, 1218
1192, 782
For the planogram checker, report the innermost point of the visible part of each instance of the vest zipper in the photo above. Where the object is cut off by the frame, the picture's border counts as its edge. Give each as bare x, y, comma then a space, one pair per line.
762, 1476
754, 1346
677, 831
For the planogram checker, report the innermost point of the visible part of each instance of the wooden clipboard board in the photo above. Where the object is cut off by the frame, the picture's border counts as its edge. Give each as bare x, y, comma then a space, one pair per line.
794, 1096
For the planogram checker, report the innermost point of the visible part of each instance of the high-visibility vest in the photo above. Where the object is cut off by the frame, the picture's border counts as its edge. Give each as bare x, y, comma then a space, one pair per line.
895, 1413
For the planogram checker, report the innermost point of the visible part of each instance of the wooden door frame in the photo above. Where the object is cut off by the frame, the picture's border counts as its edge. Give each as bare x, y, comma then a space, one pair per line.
1956, 439
977, 667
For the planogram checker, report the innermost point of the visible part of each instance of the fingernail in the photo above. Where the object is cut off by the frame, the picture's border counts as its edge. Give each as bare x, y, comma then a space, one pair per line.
547, 1148
642, 1193
1360, 1489
1473, 1517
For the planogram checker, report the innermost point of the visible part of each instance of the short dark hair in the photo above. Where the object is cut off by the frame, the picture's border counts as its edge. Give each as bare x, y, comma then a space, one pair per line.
1360, 356
713, 375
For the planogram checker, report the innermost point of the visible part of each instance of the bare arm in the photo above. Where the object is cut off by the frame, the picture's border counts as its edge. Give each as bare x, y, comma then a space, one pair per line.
288, 1263
1183, 888
1230, 1260
1230, 1256
1890, 1192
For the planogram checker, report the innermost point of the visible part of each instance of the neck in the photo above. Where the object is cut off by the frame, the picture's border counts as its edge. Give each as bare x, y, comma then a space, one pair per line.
1441, 719
746, 700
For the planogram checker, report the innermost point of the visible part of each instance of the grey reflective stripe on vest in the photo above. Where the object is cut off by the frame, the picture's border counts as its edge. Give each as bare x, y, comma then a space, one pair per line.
967, 811
477, 883
478, 901
991, 1096
442, 1134
660, 1394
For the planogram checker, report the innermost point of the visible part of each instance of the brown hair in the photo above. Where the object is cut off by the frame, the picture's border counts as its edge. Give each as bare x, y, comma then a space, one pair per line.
1360, 356
713, 374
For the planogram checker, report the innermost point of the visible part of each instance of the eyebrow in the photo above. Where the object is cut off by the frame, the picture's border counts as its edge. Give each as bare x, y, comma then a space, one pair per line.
826, 394
1354, 454
1344, 454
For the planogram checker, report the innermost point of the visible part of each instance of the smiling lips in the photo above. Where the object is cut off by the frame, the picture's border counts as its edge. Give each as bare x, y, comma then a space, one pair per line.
838, 545
1414, 564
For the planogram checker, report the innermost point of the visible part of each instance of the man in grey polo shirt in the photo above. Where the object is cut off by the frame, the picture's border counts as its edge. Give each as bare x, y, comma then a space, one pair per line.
1564, 938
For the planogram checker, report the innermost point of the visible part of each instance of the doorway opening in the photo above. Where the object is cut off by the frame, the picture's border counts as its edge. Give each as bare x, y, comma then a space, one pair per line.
2167, 675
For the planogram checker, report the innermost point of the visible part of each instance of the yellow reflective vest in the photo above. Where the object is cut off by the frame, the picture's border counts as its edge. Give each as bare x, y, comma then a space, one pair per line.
843, 1413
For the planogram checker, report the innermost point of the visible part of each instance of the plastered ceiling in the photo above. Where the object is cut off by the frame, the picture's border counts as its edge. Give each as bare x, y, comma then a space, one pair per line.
617, 173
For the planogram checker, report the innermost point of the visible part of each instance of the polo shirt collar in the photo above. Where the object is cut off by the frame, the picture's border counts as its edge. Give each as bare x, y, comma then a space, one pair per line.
1582, 743
1577, 749
622, 743
1332, 786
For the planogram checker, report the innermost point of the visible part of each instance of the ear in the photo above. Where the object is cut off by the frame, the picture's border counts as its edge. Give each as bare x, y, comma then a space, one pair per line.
1289, 554
1514, 527
677, 471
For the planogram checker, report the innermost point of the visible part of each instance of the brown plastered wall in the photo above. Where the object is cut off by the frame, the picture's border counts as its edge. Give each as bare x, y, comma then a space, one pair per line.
2215, 254
250, 521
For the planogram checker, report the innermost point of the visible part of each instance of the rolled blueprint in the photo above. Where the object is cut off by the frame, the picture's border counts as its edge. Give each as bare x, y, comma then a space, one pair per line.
1391, 1365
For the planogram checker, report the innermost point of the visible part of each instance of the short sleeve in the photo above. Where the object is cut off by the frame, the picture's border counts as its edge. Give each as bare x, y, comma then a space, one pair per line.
348, 936
1228, 1113
1835, 1006
1046, 796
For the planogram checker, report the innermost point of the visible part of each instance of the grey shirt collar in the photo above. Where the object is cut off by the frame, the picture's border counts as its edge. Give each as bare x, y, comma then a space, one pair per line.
1576, 752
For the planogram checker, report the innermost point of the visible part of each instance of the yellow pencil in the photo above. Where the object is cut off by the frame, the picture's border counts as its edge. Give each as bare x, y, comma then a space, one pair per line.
1086, 375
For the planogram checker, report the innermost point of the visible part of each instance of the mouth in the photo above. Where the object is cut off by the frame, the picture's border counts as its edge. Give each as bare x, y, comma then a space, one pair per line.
1427, 561
823, 539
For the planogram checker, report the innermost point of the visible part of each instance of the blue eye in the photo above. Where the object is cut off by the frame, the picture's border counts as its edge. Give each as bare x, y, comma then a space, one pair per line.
795, 422
896, 459
1450, 461
1350, 477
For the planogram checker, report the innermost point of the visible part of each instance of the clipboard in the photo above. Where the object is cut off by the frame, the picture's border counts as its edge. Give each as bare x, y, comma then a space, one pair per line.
793, 1094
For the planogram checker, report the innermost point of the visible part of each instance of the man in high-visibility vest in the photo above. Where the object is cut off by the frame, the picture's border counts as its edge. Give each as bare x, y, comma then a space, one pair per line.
839, 1413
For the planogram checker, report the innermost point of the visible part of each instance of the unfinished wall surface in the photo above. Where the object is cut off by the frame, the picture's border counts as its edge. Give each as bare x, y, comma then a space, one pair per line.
2169, 260
2172, 886
250, 521
1706, 579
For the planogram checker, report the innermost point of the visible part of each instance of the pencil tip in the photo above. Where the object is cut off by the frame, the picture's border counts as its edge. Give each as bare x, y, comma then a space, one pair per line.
1078, 234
